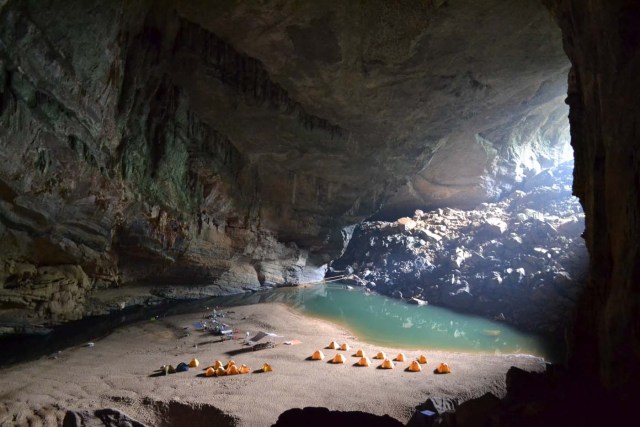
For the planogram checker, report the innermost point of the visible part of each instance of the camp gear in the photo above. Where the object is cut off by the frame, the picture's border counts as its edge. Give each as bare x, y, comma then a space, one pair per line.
338, 358
414, 367
260, 336
263, 345
387, 364
364, 361
443, 368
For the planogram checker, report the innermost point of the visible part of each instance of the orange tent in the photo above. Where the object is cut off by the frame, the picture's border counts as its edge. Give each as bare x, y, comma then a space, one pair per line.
359, 353
333, 345
422, 359
415, 367
364, 361
400, 358
344, 347
231, 363
387, 364
210, 372
220, 372
443, 368
217, 364
194, 363
266, 368
317, 355
380, 355
244, 369
338, 358
232, 370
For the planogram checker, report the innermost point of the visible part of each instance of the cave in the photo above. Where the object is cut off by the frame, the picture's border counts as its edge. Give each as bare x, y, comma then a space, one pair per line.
160, 159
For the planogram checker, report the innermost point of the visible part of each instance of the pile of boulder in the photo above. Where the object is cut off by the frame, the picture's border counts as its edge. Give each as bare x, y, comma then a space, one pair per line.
521, 260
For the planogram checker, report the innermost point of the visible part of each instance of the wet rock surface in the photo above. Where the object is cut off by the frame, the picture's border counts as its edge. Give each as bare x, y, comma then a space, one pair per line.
521, 260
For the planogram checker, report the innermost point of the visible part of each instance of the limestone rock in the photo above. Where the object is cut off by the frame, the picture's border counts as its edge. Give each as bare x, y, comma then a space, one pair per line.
99, 418
215, 145
494, 260
439, 405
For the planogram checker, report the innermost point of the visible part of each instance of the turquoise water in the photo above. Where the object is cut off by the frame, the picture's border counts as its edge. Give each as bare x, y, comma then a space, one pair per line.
387, 321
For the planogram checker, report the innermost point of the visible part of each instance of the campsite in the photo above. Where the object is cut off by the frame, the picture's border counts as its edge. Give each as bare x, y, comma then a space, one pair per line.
123, 371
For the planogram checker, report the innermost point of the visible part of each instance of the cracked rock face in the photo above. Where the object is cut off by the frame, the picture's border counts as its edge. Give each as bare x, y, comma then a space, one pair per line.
229, 146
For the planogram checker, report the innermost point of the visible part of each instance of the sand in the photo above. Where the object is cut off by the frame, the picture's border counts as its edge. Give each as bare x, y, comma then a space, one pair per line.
118, 372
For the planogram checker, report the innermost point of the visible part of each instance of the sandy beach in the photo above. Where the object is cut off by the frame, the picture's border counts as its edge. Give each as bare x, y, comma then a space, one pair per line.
120, 371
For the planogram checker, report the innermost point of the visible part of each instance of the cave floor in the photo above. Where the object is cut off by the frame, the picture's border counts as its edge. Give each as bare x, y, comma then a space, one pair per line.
120, 372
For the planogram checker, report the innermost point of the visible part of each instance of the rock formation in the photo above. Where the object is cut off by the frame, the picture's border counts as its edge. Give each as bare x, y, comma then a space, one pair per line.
602, 41
232, 145
521, 260
226, 147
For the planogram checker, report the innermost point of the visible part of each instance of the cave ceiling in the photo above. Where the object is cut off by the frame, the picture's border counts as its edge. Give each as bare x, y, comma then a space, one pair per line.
216, 141
460, 99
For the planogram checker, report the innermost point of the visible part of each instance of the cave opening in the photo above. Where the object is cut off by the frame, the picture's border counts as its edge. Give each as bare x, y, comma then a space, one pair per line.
178, 183
506, 243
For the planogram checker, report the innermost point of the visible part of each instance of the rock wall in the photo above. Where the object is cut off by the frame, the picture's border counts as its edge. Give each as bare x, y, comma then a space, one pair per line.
602, 40
226, 146
109, 177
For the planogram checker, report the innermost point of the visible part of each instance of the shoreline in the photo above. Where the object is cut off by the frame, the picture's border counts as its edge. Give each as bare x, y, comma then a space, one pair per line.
340, 325
121, 372
553, 349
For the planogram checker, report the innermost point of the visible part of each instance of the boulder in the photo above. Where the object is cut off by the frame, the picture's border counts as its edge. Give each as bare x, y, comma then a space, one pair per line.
324, 417
461, 299
478, 412
99, 418
439, 405
495, 227
406, 223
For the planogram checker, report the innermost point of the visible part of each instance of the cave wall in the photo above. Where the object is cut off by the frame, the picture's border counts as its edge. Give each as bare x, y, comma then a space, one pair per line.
227, 146
109, 176
602, 40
